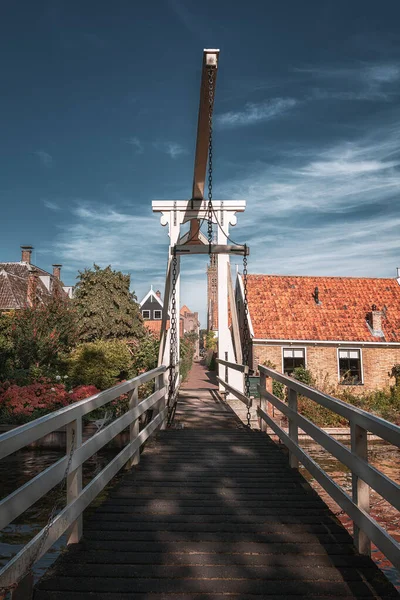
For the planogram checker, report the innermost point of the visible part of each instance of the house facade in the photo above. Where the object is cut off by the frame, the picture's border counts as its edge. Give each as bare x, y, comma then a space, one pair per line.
151, 308
24, 284
345, 330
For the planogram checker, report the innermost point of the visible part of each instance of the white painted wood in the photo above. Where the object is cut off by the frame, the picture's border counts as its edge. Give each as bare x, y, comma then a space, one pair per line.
236, 393
215, 249
375, 532
263, 402
384, 429
17, 438
133, 427
16, 503
387, 488
234, 366
74, 477
18, 565
360, 489
293, 429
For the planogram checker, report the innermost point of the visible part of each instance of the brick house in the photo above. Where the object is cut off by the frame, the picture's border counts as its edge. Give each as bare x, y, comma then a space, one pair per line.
189, 321
23, 284
345, 330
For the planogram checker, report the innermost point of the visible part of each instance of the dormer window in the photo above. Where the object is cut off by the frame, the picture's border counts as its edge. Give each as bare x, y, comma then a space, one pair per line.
146, 314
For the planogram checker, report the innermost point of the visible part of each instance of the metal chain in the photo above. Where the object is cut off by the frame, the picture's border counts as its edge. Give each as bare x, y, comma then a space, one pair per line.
246, 337
211, 72
173, 341
46, 530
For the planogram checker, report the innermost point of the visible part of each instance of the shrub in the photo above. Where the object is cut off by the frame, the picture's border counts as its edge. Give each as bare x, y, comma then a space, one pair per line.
187, 348
19, 404
101, 363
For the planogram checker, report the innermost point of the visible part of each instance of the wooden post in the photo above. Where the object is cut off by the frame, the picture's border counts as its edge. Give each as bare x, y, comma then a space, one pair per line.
159, 384
24, 589
293, 429
133, 427
263, 401
359, 446
226, 368
74, 478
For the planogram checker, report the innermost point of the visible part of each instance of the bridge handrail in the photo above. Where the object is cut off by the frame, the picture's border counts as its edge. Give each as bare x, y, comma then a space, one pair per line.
364, 475
76, 454
235, 392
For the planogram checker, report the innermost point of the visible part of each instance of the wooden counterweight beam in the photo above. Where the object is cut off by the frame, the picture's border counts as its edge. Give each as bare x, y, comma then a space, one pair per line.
210, 59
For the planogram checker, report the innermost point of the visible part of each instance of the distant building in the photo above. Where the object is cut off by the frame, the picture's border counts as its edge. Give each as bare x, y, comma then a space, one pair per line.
23, 284
151, 308
212, 294
189, 322
345, 330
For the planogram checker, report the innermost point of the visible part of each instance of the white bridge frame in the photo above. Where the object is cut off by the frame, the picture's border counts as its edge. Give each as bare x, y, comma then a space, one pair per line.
176, 213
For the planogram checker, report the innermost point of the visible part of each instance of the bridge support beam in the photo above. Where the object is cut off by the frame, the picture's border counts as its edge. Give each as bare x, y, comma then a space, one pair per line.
175, 213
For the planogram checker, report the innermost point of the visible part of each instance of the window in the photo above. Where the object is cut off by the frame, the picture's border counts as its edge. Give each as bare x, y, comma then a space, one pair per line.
157, 314
146, 314
350, 367
293, 358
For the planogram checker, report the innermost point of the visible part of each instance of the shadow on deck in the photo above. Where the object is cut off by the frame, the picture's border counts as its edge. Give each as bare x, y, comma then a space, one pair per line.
213, 511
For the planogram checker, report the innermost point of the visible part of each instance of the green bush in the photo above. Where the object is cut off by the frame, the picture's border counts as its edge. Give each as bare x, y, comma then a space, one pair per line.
101, 363
187, 348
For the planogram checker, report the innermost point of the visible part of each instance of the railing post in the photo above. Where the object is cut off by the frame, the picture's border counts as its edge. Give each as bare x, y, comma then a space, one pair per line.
74, 478
360, 490
263, 401
133, 427
159, 384
226, 368
293, 428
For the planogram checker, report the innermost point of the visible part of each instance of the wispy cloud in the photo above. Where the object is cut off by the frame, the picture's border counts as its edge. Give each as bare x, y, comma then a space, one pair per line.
335, 212
173, 149
45, 158
135, 244
254, 113
355, 82
136, 144
51, 205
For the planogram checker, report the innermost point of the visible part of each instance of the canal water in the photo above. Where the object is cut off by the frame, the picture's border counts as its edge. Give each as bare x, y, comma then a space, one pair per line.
15, 470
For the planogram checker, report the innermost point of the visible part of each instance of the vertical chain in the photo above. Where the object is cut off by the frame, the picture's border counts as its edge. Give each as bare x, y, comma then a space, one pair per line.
211, 72
173, 340
246, 335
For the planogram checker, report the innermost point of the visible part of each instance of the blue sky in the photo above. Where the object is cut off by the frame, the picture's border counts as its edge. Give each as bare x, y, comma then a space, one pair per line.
98, 117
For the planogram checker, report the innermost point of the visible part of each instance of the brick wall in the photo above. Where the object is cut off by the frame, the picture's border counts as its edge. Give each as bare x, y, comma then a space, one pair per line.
323, 363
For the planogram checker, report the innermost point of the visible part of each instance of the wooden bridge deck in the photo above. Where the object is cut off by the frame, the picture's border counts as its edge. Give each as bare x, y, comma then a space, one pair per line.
212, 512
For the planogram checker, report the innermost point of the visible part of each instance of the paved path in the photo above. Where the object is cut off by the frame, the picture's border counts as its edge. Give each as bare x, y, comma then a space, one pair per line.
213, 512
200, 378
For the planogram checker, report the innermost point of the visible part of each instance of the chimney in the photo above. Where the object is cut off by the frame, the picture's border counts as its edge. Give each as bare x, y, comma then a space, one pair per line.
376, 319
32, 287
57, 271
158, 294
26, 254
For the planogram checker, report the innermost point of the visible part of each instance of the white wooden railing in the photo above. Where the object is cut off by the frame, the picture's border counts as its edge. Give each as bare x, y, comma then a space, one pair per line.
70, 518
364, 475
225, 381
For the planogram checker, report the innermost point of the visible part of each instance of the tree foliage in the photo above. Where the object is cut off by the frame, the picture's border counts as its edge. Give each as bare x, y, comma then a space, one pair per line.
101, 363
106, 307
36, 339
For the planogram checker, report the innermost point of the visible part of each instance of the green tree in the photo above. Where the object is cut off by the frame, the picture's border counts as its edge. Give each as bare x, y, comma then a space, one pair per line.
41, 336
101, 363
106, 307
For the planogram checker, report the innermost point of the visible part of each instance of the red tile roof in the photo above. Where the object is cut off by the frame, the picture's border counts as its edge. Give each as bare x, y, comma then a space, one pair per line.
154, 326
283, 307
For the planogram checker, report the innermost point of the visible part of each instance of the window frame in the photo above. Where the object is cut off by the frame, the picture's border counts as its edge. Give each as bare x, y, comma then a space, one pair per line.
359, 350
303, 348
143, 315
157, 310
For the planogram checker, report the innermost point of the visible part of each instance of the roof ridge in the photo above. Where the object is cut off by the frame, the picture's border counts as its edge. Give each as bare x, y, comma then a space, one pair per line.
322, 276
